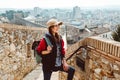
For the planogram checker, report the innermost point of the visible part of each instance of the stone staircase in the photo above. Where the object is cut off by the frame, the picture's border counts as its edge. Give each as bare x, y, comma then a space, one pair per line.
37, 74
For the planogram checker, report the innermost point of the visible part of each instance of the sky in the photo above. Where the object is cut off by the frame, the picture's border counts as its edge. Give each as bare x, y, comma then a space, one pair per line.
57, 3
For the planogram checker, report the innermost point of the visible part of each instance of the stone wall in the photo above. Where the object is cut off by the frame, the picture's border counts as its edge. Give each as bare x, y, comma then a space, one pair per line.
16, 55
102, 61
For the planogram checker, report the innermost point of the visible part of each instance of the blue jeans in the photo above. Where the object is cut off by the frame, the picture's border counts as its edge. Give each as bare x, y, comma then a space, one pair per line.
47, 74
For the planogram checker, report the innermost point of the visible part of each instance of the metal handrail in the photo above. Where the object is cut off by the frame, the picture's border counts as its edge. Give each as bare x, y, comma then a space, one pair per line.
75, 52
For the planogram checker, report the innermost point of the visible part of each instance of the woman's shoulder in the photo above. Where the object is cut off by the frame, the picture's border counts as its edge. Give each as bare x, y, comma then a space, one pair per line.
47, 34
42, 40
60, 36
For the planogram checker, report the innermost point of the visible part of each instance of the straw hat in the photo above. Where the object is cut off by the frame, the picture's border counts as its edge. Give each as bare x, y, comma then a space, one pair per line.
53, 22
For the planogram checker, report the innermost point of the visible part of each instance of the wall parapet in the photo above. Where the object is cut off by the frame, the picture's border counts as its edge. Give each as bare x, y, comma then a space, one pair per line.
13, 26
109, 47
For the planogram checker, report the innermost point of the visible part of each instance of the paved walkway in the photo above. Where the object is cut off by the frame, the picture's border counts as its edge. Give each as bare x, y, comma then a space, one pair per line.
37, 74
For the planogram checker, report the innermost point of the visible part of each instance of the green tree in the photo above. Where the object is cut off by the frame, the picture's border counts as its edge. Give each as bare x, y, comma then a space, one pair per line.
3, 14
10, 14
116, 34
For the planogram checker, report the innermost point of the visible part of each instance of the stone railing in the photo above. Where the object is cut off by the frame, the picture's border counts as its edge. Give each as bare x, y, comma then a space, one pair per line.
16, 55
101, 61
109, 47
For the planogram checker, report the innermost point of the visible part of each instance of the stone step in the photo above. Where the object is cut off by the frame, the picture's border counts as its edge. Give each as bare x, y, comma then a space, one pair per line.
53, 77
37, 74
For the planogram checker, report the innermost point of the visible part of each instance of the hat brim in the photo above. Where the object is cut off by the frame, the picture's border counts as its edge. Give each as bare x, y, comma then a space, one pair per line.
60, 23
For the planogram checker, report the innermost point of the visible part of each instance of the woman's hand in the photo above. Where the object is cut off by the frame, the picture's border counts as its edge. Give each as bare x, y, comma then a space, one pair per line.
49, 48
48, 51
65, 65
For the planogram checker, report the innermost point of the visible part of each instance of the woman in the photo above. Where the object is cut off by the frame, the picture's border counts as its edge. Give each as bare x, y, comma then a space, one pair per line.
53, 57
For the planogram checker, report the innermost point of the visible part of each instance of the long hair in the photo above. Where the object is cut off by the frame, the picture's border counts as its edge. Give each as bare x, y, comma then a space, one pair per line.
56, 37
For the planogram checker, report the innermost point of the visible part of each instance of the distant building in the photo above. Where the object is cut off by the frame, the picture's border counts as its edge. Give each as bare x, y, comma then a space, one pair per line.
20, 15
30, 18
107, 35
37, 11
76, 12
36, 20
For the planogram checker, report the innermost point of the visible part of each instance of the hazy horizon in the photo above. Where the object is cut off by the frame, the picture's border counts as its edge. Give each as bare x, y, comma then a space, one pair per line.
69, 8
50, 4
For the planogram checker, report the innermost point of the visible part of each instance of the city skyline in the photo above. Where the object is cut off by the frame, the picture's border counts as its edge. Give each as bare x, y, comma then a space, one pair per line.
58, 3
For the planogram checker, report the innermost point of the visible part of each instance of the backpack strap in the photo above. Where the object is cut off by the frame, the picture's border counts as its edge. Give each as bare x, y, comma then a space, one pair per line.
48, 41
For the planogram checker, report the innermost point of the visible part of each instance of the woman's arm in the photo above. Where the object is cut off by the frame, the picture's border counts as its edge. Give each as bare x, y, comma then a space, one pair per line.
42, 47
65, 65
63, 49
47, 51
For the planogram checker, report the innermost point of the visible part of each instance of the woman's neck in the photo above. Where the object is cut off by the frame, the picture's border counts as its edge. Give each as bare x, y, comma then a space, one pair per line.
53, 34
